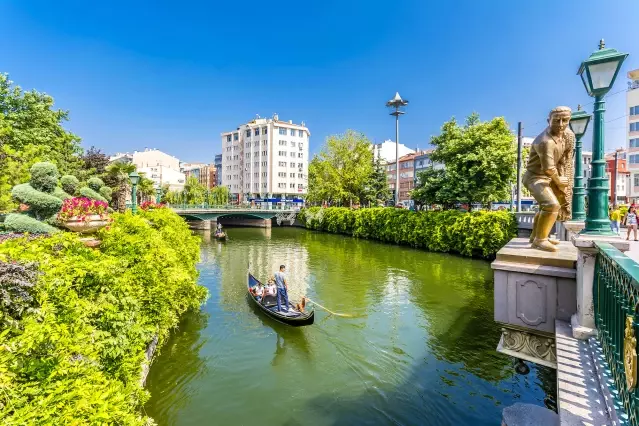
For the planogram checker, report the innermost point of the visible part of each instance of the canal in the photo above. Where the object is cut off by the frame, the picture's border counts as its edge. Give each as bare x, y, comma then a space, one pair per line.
420, 349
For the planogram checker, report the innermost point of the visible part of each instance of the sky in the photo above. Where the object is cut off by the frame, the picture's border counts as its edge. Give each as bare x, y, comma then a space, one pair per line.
174, 75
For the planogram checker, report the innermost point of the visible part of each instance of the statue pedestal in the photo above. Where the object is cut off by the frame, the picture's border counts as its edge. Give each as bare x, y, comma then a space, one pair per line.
569, 229
533, 288
583, 321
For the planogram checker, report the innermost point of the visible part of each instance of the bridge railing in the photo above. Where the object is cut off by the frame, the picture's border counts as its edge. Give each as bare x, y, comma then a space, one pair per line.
206, 206
616, 300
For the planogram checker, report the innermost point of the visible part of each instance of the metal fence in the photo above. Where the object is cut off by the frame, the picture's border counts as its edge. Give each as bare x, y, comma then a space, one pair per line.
206, 206
616, 298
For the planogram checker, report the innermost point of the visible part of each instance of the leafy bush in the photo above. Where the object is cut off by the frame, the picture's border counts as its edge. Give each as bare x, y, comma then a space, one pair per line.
16, 292
106, 192
59, 193
44, 176
95, 183
479, 234
70, 184
41, 205
77, 360
89, 193
23, 223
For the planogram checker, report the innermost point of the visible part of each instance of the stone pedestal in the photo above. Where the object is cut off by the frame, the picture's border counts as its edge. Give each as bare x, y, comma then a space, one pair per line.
569, 229
533, 288
583, 322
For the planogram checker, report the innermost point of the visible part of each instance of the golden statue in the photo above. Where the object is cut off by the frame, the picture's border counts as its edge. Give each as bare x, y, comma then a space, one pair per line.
549, 176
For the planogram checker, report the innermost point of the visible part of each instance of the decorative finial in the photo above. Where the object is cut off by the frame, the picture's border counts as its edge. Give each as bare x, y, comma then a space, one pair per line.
579, 107
602, 44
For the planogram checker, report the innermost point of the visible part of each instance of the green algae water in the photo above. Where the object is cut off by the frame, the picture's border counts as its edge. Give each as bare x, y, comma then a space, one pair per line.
420, 349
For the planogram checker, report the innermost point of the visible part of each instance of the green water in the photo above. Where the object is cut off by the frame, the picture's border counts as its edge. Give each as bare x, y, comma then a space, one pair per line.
420, 350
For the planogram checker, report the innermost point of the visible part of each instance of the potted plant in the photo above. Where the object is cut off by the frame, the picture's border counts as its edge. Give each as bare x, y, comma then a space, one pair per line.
150, 205
83, 215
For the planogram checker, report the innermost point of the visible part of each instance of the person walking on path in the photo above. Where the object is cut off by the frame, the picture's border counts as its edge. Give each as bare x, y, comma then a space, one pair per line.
615, 218
282, 288
630, 220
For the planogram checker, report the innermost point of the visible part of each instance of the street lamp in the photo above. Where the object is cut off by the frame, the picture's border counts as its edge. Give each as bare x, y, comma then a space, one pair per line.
397, 103
598, 74
578, 124
135, 178
158, 195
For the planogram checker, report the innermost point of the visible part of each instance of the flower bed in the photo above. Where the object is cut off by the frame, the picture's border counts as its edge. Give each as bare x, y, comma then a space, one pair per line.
147, 205
83, 209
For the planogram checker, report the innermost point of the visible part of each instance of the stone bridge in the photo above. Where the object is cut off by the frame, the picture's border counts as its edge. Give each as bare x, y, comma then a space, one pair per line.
202, 217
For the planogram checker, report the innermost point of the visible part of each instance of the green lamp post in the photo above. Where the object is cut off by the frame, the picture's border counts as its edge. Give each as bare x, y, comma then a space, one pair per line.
134, 177
598, 73
579, 124
158, 195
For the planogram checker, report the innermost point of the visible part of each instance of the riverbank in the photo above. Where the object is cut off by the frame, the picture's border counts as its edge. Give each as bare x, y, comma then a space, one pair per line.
474, 234
76, 321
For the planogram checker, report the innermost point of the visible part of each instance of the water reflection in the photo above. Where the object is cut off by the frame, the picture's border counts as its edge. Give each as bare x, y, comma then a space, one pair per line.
419, 351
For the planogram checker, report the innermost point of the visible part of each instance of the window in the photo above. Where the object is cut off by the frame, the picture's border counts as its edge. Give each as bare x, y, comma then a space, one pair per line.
292, 154
248, 155
634, 159
257, 132
282, 143
300, 155
264, 143
291, 175
300, 165
256, 175
281, 185
248, 175
264, 163
634, 143
248, 133
301, 133
634, 110
636, 179
264, 174
634, 127
292, 164
301, 145
264, 130
281, 174
300, 176
292, 132
228, 138
282, 164
264, 153
293, 144
257, 163
282, 131
236, 136
291, 185
281, 153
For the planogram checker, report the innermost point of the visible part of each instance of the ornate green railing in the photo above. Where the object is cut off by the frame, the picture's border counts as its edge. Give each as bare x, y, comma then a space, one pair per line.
616, 299
205, 206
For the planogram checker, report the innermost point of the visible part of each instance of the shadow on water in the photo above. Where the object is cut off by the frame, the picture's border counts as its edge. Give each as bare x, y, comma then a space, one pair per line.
179, 363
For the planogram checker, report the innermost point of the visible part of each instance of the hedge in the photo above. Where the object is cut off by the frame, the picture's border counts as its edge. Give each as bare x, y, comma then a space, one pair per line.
74, 355
26, 224
476, 234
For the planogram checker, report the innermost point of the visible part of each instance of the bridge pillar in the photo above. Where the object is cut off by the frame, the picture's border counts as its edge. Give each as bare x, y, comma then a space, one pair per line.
201, 225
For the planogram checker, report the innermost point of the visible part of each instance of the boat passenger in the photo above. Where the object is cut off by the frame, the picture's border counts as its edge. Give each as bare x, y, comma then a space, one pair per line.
258, 291
271, 289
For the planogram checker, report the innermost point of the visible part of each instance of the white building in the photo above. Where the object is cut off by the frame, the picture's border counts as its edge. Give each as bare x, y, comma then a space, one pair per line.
386, 150
266, 158
162, 168
586, 158
632, 127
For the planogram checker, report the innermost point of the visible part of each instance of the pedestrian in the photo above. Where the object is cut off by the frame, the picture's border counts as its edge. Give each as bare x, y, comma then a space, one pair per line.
630, 220
615, 218
282, 289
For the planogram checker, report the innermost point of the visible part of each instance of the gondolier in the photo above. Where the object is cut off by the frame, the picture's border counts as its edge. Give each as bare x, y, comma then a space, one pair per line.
282, 288
293, 316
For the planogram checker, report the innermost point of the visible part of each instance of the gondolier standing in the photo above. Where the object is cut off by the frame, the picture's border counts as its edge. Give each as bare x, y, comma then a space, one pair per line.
282, 287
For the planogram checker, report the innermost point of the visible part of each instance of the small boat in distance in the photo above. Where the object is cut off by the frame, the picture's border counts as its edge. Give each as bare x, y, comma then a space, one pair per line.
220, 235
269, 307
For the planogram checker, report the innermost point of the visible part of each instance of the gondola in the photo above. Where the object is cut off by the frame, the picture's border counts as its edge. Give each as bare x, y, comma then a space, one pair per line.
293, 317
220, 235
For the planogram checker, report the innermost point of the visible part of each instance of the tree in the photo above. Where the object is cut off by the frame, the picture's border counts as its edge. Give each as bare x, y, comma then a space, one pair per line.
146, 189
478, 159
377, 190
94, 163
342, 170
194, 191
31, 131
118, 178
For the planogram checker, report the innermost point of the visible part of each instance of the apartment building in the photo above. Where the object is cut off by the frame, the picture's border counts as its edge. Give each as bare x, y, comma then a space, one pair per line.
632, 126
266, 158
386, 150
618, 183
406, 175
206, 174
218, 169
162, 168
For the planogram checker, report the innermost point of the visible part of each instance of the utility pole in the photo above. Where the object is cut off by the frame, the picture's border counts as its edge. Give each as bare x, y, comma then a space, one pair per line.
519, 129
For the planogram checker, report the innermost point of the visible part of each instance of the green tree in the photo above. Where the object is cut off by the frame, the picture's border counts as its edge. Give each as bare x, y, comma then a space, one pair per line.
31, 131
342, 170
146, 189
478, 159
194, 191
377, 190
118, 178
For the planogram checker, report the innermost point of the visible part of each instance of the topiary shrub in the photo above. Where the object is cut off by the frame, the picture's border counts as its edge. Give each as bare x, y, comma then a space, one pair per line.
22, 223
44, 177
87, 192
95, 183
106, 192
41, 205
59, 193
69, 184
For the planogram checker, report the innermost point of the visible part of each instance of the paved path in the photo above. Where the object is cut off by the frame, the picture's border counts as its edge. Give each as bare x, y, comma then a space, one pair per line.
633, 253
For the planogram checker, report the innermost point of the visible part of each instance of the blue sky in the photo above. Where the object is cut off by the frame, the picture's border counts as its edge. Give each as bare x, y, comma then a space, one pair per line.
173, 75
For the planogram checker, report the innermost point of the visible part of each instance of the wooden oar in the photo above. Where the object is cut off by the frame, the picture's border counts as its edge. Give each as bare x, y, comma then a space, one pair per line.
326, 309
